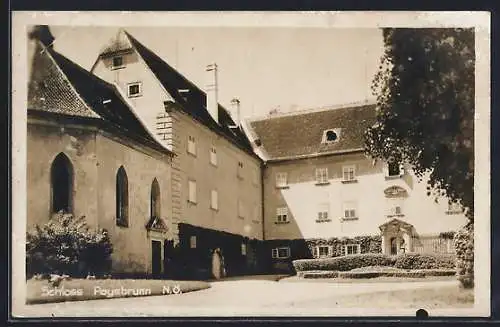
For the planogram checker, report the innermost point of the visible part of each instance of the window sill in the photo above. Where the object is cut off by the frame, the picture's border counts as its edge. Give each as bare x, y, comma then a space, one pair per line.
393, 177
322, 183
323, 220
281, 222
191, 153
282, 186
349, 219
192, 202
240, 217
117, 67
214, 209
350, 181
135, 95
122, 225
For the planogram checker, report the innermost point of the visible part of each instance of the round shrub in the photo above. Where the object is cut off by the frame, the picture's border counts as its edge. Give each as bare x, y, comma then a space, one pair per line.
425, 261
344, 263
66, 245
464, 247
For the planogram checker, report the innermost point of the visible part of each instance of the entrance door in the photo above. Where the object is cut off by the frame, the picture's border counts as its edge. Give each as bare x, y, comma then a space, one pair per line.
217, 265
156, 258
394, 246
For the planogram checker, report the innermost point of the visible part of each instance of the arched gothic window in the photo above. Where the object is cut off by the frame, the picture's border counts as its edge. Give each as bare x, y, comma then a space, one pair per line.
121, 198
155, 199
62, 184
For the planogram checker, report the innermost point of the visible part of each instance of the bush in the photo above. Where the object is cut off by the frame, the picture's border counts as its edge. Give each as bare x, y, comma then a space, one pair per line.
344, 263
374, 274
464, 247
437, 272
65, 245
319, 274
375, 269
425, 261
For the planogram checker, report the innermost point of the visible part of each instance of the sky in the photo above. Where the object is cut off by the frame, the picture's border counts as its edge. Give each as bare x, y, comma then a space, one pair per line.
267, 68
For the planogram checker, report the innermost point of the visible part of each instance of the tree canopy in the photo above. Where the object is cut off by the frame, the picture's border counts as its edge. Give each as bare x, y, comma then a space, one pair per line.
425, 108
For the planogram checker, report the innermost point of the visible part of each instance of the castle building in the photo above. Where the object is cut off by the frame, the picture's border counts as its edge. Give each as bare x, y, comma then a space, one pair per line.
183, 186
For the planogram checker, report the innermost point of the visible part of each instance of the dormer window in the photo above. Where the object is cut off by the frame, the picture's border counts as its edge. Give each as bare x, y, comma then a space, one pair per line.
330, 135
117, 62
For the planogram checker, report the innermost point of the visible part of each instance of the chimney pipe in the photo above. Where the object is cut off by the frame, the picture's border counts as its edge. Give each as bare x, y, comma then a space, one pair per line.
211, 90
235, 109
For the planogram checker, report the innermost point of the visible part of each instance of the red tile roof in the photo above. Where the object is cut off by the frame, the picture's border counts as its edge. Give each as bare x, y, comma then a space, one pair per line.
300, 134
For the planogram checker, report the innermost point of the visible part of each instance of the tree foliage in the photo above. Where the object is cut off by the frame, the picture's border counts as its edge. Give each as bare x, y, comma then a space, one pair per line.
425, 108
66, 245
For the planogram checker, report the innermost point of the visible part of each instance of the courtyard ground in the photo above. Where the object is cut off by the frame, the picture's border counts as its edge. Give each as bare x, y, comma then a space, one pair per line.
267, 297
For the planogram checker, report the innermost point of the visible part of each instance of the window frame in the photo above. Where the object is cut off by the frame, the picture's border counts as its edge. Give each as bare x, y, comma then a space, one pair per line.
113, 66
329, 251
243, 249
321, 175
281, 180
213, 156
191, 145
135, 95
192, 191
214, 201
347, 169
275, 252
347, 246
350, 206
282, 212
193, 242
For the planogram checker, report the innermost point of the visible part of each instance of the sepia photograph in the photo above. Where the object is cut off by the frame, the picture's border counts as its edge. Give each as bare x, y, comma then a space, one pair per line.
250, 164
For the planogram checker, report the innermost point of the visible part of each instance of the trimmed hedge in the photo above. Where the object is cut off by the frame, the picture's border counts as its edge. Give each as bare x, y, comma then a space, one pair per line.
344, 263
319, 274
425, 261
374, 274
437, 272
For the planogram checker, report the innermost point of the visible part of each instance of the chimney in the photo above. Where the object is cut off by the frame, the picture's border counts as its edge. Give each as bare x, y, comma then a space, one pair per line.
37, 33
211, 90
235, 110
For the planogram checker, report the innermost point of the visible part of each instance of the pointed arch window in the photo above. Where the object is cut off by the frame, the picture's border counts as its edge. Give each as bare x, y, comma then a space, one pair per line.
155, 199
121, 198
62, 184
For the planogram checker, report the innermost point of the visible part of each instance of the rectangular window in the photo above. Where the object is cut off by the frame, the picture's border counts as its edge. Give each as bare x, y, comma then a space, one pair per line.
191, 148
323, 251
243, 249
323, 211
213, 156
352, 249
117, 62
281, 180
393, 169
192, 242
239, 172
214, 200
321, 175
281, 253
350, 211
192, 191
348, 173
134, 89
282, 215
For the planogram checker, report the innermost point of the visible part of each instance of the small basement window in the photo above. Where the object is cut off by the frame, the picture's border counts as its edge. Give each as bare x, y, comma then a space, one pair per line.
134, 90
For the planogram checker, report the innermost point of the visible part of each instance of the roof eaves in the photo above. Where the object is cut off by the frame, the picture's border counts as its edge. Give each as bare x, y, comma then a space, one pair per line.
315, 155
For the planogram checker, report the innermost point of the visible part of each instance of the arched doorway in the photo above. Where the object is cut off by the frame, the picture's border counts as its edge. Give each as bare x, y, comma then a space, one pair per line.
62, 184
397, 237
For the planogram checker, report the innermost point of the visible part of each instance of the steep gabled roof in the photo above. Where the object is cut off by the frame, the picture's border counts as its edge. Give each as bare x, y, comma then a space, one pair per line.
300, 134
60, 86
194, 103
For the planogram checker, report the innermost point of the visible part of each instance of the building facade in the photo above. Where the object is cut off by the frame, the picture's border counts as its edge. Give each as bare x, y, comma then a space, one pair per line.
323, 196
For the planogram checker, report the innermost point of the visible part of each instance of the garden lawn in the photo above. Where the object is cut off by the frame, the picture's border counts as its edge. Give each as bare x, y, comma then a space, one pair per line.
424, 298
40, 291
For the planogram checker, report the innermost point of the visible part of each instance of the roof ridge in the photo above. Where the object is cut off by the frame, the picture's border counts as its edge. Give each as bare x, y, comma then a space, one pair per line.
347, 105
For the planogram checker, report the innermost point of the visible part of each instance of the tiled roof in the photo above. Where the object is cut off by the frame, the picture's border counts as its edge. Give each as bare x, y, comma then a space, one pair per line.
300, 134
120, 43
73, 91
194, 104
50, 90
